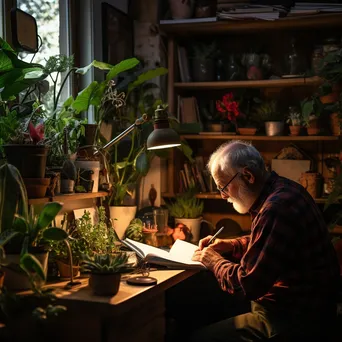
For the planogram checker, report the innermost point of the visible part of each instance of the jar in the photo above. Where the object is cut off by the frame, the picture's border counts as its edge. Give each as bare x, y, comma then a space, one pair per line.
316, 58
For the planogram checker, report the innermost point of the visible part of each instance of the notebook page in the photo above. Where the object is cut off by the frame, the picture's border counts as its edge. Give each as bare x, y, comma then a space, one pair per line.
147, 249
183, 251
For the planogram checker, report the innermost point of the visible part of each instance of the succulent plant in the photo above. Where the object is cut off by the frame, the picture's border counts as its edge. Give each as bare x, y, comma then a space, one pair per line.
106, 263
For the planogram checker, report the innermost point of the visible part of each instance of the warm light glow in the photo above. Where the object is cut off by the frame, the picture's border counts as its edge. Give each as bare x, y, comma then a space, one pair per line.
159, 147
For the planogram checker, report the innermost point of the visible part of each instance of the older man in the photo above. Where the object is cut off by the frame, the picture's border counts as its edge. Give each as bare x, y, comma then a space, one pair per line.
287, 266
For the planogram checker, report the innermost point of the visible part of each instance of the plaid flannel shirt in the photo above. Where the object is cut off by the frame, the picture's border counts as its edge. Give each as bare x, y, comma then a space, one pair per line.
288, 261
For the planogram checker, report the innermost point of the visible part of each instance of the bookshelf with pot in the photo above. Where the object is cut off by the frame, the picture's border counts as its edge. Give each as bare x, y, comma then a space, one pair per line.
185, 98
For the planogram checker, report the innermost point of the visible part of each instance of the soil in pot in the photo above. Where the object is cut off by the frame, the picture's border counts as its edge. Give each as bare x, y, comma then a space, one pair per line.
105, 284
30, 160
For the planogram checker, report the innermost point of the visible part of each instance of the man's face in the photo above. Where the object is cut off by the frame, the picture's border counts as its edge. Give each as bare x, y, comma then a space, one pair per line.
236, 192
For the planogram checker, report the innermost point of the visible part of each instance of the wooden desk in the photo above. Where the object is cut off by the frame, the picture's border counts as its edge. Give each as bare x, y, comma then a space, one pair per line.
136, 313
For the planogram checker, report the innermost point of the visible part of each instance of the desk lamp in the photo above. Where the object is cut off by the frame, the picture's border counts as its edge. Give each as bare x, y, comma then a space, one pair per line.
161, 137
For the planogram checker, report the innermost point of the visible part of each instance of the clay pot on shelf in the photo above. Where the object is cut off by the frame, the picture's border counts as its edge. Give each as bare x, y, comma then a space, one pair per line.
335, 124
36, 187
295, 130
333, 96
217, 127
313, 127
247, 130
64, 270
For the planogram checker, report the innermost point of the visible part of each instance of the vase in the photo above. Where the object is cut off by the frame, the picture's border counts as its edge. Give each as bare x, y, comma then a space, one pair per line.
181, 9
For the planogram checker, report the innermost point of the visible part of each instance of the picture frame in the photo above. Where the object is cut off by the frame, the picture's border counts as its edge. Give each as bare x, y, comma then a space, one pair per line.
117, 34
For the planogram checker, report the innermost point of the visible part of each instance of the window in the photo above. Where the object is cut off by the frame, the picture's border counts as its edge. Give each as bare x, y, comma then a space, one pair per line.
52, 18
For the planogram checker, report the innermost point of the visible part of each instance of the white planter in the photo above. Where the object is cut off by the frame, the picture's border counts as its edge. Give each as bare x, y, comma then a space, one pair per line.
90, 165
194, 225
121, 217
19, 280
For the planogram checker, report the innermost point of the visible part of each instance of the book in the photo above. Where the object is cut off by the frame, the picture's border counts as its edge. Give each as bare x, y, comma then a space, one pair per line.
179, 256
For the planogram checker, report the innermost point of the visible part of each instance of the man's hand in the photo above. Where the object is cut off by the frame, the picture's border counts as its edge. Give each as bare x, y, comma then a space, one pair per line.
219, 245
207, 256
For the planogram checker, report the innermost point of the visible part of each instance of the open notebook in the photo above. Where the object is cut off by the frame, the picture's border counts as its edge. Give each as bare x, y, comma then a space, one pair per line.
179, 256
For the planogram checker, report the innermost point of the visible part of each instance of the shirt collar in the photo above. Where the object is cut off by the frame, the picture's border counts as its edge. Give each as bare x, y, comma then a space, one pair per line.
266, 190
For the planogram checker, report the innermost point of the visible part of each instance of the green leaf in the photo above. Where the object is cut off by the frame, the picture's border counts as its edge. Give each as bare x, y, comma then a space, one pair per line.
47, 215
20, 225
186, 149
142, 164
6, 236
55, 234
83, 99
35, 74
12, 188
68, 102
96, 64
124, 65
31, 265
147, 76
5, 46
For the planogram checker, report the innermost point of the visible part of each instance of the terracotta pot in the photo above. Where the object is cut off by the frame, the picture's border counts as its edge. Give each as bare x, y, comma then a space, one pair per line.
335, 124
36, 187
295, 130
333, 96
64, 270
312, 130
105, 284
217, 127
247, 130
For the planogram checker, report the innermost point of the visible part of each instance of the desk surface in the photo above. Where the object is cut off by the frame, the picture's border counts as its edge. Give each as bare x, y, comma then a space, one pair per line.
127, 296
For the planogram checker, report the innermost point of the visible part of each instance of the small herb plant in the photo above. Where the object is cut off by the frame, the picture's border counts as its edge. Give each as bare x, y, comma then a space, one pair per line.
106, 263
186, 205
268, 111
294, 117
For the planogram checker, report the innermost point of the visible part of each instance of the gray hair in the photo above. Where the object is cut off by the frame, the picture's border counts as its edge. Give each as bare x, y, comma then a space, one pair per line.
233, 156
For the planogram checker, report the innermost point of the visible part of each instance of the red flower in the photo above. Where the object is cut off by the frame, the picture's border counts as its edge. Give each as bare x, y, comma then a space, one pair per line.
36, 133
228, 106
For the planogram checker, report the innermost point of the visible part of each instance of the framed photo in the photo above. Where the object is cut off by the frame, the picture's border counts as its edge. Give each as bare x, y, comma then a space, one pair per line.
117, 33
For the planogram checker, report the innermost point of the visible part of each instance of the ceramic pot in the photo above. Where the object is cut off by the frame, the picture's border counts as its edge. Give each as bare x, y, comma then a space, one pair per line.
274, 128
295, 130
181, 9
105, 284
247, 130
194, 226
217, 127
67, 186
90, 165
121, 216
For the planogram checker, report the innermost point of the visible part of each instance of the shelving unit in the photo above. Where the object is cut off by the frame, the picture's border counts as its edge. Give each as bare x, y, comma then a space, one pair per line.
66, 197
281, 82
245, 34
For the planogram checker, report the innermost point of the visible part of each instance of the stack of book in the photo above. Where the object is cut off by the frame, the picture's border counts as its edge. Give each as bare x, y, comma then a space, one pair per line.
242, 11
309, 8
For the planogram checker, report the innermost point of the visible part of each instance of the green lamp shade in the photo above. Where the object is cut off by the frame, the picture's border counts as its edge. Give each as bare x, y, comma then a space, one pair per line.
163, 138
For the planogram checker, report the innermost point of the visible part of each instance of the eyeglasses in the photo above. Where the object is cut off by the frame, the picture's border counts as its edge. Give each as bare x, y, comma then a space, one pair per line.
222, 190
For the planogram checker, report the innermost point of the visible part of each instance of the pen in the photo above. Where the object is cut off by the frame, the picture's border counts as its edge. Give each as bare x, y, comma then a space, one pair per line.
215, 235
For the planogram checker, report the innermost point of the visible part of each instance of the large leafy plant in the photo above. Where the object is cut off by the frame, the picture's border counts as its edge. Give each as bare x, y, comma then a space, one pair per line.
20, 229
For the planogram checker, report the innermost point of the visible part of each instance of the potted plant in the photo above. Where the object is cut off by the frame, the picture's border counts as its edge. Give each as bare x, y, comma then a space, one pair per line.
187, 210
311, 110
330, 71
268, 113
229, 108
203, 61
25, 233
105, 272
295, 121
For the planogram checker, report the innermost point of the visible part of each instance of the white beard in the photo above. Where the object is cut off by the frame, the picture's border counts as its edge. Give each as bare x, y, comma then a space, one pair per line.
241, 202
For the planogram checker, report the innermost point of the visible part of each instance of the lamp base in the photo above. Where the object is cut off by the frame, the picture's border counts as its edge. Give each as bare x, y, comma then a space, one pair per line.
142, 281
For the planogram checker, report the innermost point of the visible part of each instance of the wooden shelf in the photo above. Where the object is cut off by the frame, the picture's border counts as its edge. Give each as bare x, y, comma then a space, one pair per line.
254, 26
66, 197
215, 195
279, 83
257, 137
